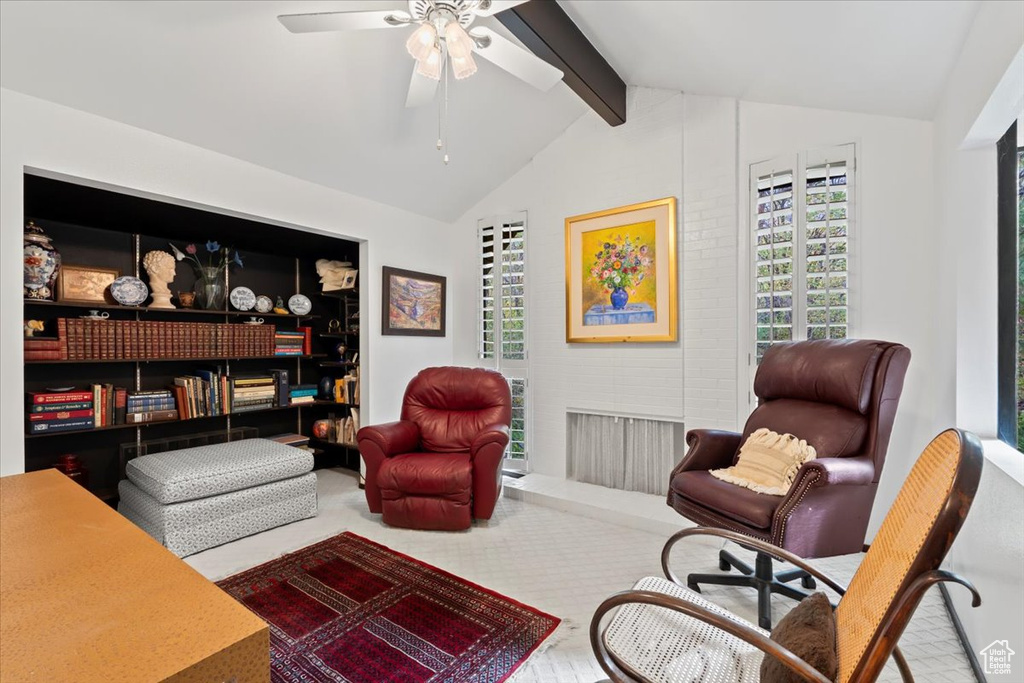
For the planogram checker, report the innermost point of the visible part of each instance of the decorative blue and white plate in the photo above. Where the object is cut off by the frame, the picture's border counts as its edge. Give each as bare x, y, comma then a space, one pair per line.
242, 298
129, 291
300, 304
264, 304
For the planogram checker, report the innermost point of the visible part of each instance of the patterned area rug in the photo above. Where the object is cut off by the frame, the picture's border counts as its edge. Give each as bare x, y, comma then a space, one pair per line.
348, 609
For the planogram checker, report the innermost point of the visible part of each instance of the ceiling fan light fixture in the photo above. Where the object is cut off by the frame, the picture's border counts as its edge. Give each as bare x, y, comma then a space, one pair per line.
460, 45
422, 41
463, 67
430, 66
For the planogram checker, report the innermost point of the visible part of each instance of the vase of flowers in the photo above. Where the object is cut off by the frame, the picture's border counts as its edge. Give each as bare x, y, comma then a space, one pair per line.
620, 265
211, 284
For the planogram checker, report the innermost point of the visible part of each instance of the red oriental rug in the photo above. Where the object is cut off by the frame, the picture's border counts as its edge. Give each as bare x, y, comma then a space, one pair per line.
348, 609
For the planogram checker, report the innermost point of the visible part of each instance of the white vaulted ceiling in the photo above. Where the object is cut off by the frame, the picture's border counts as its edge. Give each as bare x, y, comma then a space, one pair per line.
329, 108
889, 57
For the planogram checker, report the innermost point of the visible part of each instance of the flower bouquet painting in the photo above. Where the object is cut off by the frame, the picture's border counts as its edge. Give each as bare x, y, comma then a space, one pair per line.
210, 265
623, 259
621, 274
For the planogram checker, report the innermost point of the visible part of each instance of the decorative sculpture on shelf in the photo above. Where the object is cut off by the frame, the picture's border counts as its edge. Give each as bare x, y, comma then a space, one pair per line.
41, 264
332, 274
33, 326
160, 267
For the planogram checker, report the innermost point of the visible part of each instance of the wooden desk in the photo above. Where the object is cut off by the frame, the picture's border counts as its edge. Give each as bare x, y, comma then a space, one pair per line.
85, 595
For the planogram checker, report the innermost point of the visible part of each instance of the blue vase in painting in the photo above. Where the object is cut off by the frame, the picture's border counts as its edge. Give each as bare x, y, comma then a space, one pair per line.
619, 298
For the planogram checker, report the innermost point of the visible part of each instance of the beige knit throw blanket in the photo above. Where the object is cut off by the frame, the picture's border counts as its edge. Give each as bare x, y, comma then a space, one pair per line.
768, 462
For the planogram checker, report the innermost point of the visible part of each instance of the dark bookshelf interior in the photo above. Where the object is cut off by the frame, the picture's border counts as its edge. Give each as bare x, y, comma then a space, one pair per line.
104, 228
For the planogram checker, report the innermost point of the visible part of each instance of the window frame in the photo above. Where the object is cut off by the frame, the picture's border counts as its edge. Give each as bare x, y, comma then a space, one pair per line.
1007, 260
511, 368
747, 281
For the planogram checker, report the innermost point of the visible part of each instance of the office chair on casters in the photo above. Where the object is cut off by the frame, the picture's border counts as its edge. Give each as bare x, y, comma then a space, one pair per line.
841, 397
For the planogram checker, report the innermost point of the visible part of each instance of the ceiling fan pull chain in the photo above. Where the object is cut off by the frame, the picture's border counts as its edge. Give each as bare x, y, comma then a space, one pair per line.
445, 65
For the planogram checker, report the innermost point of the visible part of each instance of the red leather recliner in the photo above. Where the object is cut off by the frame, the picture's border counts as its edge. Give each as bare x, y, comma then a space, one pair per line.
439, 467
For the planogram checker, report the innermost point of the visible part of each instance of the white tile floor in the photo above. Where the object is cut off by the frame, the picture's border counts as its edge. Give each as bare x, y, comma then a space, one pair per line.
564, 564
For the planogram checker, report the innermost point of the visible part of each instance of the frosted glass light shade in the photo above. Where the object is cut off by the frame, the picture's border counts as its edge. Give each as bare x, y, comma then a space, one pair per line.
430, 66
422, 41
459, 43
463, 67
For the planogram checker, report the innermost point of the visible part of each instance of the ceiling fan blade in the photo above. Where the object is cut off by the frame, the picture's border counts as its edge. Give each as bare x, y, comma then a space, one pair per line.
421, 90
514, 59
344, 21
489, 8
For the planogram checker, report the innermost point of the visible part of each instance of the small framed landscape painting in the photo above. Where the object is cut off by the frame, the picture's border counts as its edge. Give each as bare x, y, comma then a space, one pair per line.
86, 284
413, 303
620, 274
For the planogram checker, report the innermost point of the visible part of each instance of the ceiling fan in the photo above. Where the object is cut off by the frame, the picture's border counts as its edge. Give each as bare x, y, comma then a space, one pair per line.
440, 39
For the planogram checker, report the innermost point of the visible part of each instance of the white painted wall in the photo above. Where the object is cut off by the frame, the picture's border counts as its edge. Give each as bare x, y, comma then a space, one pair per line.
35, 133
990, 549
590, 167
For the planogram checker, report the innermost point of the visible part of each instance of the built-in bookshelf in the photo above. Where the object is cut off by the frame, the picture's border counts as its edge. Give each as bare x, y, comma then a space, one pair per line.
103, 228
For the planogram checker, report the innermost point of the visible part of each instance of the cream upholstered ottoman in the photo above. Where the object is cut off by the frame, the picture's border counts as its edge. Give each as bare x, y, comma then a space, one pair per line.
196, 498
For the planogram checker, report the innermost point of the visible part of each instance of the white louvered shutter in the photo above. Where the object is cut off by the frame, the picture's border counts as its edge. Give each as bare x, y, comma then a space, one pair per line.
513, 290
774, 239
827, 233
502, 322
802, 224
486, 331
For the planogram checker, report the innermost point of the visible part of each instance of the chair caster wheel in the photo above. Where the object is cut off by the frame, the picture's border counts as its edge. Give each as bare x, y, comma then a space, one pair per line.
723, 565
693, 586
808, 583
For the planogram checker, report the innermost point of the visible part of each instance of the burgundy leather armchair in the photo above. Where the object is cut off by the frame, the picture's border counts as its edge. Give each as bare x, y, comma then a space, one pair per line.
439, 467
841, 397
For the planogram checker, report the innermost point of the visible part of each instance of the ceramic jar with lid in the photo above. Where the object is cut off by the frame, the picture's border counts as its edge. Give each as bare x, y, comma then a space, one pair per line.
41, 264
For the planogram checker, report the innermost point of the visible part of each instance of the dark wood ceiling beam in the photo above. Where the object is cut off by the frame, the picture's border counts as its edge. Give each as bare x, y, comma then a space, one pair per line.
545, 28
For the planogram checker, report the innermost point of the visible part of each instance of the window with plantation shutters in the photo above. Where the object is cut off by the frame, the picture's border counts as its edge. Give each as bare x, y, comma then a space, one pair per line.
501, 320
826, 250
773, 266
502, 313
802, 220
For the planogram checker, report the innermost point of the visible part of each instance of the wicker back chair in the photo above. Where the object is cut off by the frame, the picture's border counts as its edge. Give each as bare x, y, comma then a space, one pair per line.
901, 564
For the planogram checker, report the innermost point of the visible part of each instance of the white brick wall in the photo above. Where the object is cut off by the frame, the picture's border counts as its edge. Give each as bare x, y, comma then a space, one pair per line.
710, 211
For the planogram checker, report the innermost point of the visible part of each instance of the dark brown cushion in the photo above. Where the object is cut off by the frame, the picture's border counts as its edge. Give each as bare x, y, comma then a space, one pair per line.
809, 632
836, 371
834, 432
741, 504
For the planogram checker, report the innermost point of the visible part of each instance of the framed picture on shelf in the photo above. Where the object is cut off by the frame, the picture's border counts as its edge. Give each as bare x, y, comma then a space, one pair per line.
620, 274
86, 284
413, 303
349, 281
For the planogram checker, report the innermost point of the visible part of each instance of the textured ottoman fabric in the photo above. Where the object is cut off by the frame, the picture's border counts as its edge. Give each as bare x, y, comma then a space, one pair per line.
191, 526
192, 473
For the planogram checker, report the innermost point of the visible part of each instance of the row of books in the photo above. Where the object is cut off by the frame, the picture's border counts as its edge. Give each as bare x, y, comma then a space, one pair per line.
289, 342
79, 339
212, 392
346, 389
46, 348
101, 405
299, 394
343, 429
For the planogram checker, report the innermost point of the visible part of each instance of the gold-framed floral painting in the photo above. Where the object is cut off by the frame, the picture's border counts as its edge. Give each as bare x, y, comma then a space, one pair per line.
620, 274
